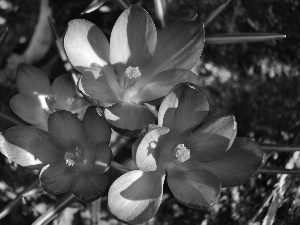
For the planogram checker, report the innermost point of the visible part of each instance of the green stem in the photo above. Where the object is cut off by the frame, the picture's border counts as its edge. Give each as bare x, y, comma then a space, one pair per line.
276, 170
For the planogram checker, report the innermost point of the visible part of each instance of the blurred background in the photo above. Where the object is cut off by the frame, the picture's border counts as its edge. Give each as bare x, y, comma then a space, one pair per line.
258, 82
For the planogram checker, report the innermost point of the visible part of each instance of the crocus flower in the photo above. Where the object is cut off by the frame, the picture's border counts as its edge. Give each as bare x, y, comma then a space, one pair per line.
199, 154
73, 156
38, 98
139, 65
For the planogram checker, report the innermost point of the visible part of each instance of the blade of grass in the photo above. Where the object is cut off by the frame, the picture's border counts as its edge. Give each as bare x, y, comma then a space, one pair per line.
276, 170
18, 199
96, 4
3, 36
277, 148
241, 38
216, 12
160, 12
53, 211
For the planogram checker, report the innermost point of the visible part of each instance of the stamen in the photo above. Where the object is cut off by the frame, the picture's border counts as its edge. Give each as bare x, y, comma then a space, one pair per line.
130, 77
73, 158
182, 153
70, 159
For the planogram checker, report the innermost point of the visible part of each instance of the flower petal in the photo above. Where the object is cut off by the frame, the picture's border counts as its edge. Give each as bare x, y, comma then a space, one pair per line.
212, 139
79, 106
135, 196
64, 90
86, 45
195, 188
66, 130
96, 127
238, 164
87, 187
30, 109
98, 158
163, 83
28, 146
147, 155
57, 178
183, 109
32, 81
133, 39
136, 144
129, 116
95, 84
179, 45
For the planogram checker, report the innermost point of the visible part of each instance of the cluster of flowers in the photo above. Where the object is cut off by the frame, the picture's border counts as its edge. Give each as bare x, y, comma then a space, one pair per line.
69, 141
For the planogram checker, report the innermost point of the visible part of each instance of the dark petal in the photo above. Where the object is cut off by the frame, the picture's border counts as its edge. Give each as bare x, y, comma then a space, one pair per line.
163, 83
212, 139
30, 109
98, 158
28, 147
194, 188
32, 81
179, 45
96, 127
56, 178
183, 109
238, 164
64, 91
66, 130
87, 187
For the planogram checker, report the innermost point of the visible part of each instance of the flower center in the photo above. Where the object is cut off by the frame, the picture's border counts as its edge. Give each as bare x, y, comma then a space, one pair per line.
130, 77
182, 153
74, 158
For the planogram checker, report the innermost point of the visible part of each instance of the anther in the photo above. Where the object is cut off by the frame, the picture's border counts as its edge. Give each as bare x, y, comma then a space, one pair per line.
130, 77
182, 153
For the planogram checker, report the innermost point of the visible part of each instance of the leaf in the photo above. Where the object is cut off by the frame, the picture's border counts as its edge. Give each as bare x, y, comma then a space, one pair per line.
241, 38
160, 10
215, 13
96, 4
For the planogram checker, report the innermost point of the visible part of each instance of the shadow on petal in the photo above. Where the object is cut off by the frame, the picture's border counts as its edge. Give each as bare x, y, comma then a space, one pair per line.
129, 116
136, 196
133, 39
147, 156
183, 109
